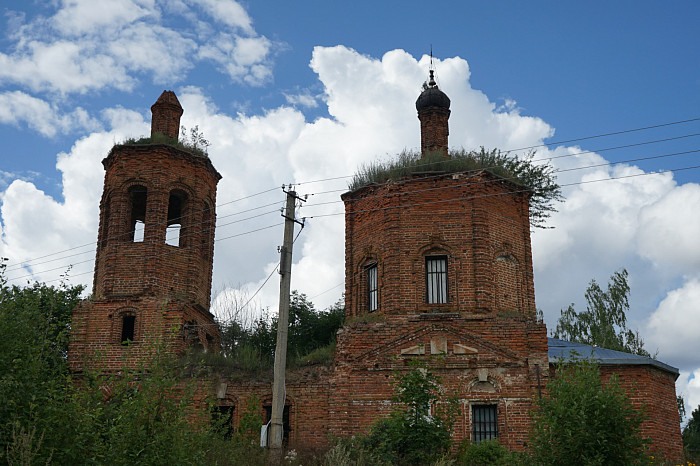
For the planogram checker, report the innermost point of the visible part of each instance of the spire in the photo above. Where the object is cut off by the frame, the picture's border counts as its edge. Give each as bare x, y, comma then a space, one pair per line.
165, 115
433, 107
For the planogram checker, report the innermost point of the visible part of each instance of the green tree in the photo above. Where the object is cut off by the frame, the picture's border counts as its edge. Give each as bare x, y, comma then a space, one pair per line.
604, 322
584, 421
309, 330
691, 435
34, 332
412, 434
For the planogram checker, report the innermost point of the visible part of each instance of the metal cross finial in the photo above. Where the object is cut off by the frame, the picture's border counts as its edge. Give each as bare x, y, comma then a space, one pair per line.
431, 81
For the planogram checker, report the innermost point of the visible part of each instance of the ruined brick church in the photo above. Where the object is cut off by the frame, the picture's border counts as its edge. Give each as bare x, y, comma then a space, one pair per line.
435, 264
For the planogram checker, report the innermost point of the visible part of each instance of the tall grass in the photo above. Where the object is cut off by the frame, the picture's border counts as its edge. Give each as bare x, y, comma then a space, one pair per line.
160, 138
536, 177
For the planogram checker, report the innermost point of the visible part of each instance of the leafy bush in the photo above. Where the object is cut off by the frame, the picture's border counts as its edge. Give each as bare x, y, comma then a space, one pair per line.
583, 421
691, 436
487, 452
411, 435
310, 338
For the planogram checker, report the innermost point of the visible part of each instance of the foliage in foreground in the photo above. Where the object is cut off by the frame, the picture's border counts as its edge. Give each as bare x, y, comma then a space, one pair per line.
604, 322
411, 434
584, 421
539, 178
141, 416
691, 436
487, 453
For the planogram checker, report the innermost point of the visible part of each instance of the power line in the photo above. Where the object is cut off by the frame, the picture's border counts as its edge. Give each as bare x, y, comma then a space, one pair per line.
525, 190
614, 133
119, 235
464, 198
150, 257
92, 244
512, 179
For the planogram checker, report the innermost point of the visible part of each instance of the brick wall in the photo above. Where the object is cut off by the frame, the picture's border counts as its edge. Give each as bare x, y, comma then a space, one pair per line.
479, 222
654, 391
124, 267
164, 288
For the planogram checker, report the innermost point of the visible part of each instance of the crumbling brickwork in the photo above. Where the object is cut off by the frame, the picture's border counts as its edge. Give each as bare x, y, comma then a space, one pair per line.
153, 265
438, 268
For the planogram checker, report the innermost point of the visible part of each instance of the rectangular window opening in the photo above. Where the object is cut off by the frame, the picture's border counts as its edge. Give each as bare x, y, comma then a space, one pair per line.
436, 279
484, 422
372, 288
128, 326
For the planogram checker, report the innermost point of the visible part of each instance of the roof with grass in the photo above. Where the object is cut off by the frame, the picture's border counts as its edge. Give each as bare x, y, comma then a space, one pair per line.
524, 172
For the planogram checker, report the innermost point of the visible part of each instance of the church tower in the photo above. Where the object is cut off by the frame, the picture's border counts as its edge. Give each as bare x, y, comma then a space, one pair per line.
438, 269
153, 267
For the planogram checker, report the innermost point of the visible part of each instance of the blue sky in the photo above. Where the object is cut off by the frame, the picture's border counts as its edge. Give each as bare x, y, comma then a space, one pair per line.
300, 91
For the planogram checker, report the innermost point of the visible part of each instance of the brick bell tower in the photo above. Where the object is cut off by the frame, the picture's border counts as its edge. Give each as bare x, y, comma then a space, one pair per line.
153, 267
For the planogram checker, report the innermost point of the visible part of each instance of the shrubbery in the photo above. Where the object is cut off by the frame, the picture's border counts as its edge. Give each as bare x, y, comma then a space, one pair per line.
418, 430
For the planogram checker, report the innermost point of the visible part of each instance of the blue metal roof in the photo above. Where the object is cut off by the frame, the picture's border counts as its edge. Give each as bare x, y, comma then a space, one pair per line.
561, 350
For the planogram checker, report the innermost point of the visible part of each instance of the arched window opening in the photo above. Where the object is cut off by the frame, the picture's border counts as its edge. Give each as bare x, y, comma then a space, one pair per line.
128, 328
174, 234
137, 223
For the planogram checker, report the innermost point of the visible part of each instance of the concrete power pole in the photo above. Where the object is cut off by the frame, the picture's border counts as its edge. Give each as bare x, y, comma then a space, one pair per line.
278, 390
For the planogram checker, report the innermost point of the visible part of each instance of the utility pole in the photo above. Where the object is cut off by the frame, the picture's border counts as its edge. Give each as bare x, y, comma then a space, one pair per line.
278, 386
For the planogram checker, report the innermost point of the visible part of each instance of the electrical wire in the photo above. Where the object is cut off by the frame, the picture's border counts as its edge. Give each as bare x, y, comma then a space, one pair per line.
92, 244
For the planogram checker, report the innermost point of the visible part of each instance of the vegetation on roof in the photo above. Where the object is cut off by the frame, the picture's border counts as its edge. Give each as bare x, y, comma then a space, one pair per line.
536, 176
192, 142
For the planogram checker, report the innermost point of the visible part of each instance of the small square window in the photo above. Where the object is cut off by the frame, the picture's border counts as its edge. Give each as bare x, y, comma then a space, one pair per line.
484, 422
436, 279
372, 288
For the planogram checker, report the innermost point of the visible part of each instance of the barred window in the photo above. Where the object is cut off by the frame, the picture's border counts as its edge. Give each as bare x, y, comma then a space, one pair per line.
372, 288
436, 279
484, 422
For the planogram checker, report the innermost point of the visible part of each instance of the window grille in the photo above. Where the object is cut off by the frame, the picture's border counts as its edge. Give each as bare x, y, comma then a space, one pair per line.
372, 288
484, 422
436, 279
